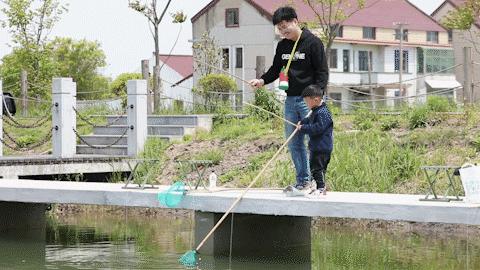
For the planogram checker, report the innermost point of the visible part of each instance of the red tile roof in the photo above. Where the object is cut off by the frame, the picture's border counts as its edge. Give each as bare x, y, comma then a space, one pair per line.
377, 13
183, 64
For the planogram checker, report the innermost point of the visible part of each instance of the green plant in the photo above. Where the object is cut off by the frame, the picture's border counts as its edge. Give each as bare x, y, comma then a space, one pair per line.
389, 123
119, 86
266, 100
216, 90
154, 150
364, 119
440, 104
334, 109
370, 161
476, 143
214, 155
418, 117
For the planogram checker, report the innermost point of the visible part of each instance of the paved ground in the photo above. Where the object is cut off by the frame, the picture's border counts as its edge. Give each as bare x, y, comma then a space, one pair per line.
262, 202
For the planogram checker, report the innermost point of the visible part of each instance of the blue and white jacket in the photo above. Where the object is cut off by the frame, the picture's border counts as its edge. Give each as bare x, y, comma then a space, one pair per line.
319, 127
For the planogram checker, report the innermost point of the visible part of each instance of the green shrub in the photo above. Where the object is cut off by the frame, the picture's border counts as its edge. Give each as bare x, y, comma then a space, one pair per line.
266, 100
440, 104
388, 123
364, 119
119, 86
216, 91
418, 117
476, 143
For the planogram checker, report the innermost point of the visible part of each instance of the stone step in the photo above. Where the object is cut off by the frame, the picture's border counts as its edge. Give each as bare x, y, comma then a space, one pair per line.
203, 121
169, 130
103, 139
96, 139
115, 150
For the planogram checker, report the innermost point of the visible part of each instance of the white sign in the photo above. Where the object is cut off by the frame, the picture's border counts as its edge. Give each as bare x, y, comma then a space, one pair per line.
471, 183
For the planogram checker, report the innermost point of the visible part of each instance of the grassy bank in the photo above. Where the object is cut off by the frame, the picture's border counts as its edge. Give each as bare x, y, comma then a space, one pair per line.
372, 152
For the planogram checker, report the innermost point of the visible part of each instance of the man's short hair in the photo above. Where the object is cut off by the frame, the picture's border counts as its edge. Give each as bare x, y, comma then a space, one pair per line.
313, 90
285, 13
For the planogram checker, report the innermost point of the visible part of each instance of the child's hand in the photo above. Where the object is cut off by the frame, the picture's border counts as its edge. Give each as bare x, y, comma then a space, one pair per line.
299, 126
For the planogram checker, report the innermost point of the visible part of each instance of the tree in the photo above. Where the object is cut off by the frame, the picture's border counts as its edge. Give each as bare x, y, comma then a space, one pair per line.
119, 86
39, 66
330, 15
80, 60
463, 17
150, 11
29, 23
206, 51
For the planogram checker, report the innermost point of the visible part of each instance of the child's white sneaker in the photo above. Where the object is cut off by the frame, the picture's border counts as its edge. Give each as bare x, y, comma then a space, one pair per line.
318, 193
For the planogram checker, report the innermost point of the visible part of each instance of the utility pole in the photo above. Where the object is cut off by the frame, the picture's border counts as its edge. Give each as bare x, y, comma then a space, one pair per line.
400, 69
467, 70
146, 76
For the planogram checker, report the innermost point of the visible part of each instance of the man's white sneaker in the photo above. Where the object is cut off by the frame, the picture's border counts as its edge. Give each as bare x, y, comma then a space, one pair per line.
295, 193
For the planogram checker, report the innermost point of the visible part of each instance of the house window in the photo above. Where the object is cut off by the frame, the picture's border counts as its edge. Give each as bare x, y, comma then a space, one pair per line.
225, 58
405, 34
238, 57
333, 58
450, 36
231, 17
346, 61
369, 32
432, 36
397, 61
363, 60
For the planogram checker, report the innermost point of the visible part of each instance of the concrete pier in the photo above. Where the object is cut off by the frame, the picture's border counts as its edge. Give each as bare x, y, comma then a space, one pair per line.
266, 238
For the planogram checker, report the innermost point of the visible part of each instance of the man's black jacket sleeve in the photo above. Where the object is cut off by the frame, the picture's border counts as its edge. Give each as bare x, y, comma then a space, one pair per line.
274, 71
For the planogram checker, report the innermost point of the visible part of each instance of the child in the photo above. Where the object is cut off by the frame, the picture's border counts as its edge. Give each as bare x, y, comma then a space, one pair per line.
319, 127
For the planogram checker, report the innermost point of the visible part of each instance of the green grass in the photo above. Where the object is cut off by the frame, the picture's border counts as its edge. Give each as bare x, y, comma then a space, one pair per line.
154, 150
242, 130
213, 155
370, 161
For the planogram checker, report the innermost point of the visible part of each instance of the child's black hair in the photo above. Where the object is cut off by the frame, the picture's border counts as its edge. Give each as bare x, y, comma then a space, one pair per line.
313, 90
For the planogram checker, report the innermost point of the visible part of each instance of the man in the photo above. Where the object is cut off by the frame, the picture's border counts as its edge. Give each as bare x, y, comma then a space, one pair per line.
308, 66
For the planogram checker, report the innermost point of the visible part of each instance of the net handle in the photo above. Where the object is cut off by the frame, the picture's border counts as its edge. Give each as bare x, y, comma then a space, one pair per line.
248, 188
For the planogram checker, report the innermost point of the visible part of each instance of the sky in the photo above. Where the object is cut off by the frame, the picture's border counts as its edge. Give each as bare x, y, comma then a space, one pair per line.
124, 34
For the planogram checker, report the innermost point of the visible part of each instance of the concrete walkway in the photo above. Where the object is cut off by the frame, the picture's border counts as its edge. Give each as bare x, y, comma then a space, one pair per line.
261, 202
12, 167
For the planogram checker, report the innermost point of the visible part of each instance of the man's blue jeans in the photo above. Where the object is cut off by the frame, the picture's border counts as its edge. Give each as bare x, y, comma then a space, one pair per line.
296, 110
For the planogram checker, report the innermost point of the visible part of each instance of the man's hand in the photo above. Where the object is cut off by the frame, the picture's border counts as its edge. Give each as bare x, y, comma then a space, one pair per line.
257, 83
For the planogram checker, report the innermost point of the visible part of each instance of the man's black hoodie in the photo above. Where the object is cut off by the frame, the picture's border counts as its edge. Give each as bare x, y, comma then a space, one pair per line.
309, 64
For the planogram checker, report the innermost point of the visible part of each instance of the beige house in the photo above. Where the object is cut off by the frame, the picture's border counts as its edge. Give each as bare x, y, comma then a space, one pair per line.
244, 30
460, 40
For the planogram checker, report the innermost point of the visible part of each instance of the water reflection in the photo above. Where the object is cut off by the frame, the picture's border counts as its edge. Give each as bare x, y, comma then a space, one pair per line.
136, 242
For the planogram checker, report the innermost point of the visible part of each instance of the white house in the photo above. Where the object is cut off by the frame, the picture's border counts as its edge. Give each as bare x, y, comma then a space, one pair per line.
244, 30
460, 39
177, 80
